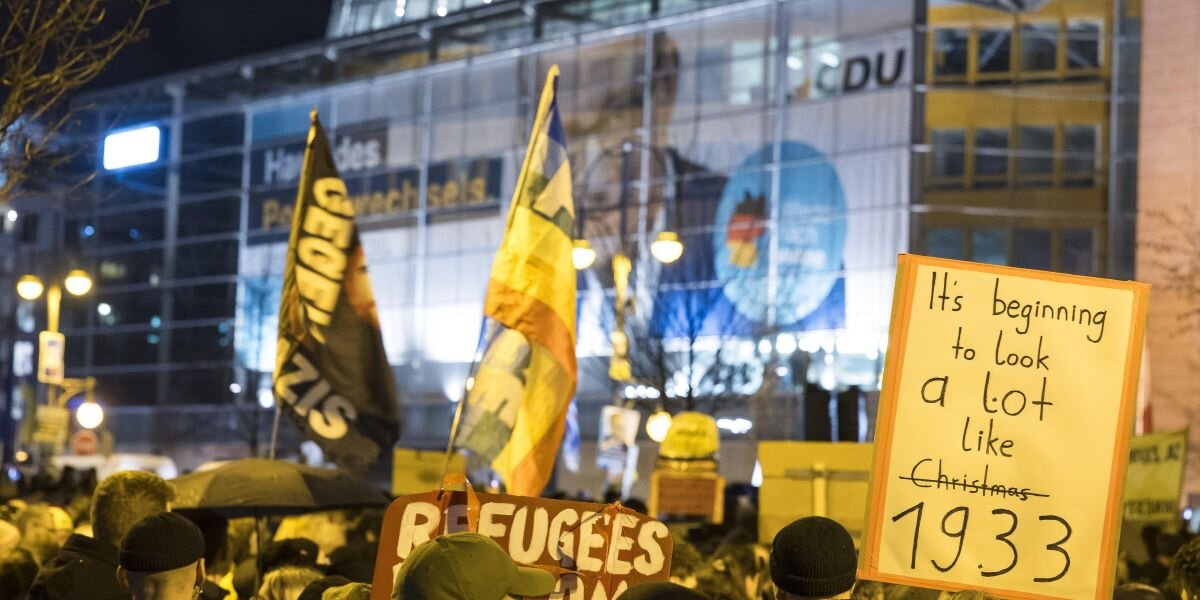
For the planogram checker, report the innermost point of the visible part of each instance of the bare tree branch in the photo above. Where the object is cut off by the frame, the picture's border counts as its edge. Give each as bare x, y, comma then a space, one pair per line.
49, 49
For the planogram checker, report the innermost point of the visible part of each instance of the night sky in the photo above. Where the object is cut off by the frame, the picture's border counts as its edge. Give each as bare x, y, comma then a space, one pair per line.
190, 33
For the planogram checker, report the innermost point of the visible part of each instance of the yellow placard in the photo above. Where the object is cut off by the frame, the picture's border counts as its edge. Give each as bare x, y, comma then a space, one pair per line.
1154, 481
1003, 430
801, 479
416, 471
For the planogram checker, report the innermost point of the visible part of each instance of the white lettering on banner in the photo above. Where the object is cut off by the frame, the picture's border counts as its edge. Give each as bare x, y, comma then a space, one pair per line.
608, 551
537, 535
487, 518
332, 420
653, 558
282, 165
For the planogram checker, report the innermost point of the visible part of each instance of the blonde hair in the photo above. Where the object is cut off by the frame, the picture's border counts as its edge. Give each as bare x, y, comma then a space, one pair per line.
286, 583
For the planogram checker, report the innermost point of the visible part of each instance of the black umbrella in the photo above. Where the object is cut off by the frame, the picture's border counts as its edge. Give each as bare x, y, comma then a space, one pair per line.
258, 487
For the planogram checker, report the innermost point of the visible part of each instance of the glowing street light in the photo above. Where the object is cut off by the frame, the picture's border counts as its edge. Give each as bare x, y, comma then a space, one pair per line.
582, 255
89, 415
78, 282
30, 287
658, 424
667, 248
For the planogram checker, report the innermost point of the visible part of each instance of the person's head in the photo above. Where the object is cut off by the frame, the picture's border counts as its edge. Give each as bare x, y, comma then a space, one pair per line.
1137, 591
661, 591
17, 572
162, 558
967, 595
813, 557
867, 590
287, 583
1185, 570
36, 524
126, 498
467, 566
64, 525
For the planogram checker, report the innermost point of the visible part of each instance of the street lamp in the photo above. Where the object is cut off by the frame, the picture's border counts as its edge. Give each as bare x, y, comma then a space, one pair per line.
582, 255
658, 424
78, 282
89, 415
667, 248
29, 287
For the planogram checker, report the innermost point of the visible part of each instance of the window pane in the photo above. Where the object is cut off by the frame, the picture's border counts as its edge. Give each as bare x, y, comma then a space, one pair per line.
1036, 163
989, 246
949, 52
140, 347
1039, 46
130, 227
131, 267
214, 301
1083, 45
991, 157
1076, 246
1031, 248
206, 259
211, 133
211, 174
995, 51
126, 389
1079, 164
209, 217
203, 386
211, 343
947, 152
945, 242
131, 308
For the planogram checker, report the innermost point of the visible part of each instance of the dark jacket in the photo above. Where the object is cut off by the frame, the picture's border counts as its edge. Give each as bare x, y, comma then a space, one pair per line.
85, 568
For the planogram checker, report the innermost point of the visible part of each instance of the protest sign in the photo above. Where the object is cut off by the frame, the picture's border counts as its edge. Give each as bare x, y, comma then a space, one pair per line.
1003, 430
800, 479
1154, 481
416, 471
618, 433
597, 551
683, 495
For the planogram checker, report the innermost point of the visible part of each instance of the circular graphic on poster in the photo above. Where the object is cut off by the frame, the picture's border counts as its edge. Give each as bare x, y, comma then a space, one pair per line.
812, 233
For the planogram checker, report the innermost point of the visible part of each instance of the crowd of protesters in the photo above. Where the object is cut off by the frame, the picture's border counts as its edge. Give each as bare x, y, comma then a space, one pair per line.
118, 539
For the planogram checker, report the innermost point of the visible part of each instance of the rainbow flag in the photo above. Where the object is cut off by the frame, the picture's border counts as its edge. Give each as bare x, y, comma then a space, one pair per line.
516, 408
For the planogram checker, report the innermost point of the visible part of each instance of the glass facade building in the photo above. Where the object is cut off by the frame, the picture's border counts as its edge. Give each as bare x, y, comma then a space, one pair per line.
796, 145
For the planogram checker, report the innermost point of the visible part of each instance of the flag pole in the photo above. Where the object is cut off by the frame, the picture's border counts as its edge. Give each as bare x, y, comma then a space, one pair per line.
458, 410
274, 431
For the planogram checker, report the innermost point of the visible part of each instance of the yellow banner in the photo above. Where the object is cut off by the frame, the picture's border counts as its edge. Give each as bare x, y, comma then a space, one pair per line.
1003, 430
1154, 480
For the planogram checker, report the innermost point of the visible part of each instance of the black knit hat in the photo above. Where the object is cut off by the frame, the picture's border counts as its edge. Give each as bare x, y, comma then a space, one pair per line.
160, 543
813, 557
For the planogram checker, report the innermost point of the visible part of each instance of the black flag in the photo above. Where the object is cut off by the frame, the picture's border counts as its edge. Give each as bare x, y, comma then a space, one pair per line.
331, 375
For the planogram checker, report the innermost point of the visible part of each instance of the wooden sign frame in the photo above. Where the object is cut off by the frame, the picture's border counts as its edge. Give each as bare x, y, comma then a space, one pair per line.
902, 309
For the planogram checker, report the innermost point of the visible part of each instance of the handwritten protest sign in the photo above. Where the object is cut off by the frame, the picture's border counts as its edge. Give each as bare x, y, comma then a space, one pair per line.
1003, 430
598, 551
1154, 481
683, 495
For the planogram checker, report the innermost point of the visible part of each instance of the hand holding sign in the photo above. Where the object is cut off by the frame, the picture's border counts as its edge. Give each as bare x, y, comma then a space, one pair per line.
1003, 426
